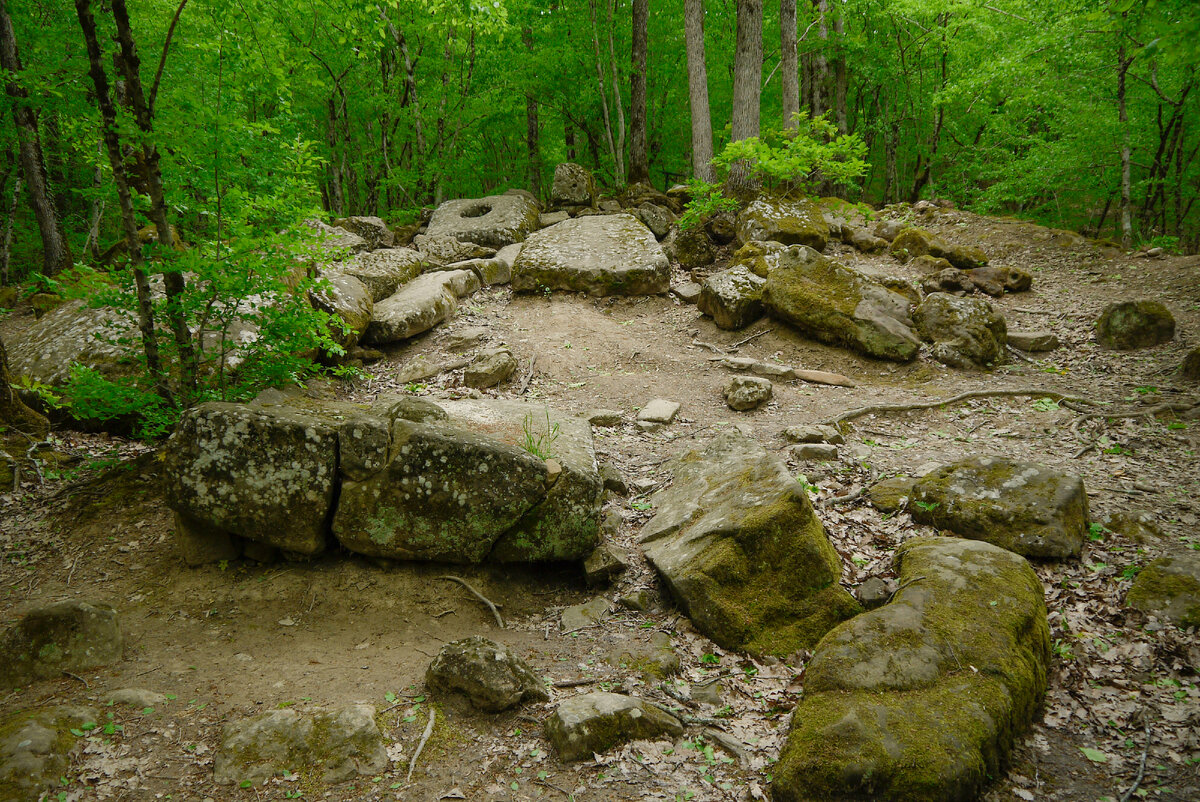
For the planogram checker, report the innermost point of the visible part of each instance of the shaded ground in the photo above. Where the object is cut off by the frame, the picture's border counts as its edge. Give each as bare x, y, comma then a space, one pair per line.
225, 641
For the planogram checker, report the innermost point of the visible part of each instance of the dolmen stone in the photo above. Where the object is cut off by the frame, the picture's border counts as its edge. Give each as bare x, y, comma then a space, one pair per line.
494, 221
71, 333
1029, 509
924, 697
490, 676
64, 636
737, 542
790, 222
385, 271
732, 298
613, 254
595, 722
372, 229
420, 305
965, 332
1129, 325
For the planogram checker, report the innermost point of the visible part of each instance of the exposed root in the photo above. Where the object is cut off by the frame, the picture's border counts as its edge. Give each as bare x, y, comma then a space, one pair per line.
876, 409
478, 595
412, 764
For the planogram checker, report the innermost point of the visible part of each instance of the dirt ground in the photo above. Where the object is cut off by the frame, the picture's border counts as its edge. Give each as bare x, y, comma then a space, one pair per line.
225, 641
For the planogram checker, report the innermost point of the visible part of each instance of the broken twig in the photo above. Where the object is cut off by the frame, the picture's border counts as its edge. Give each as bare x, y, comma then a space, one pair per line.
412, 764
478, 595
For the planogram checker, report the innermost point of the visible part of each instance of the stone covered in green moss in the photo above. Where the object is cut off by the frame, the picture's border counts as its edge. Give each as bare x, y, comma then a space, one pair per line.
732, 298
965, 332
740, 548
594, 722
1170, 589
612, 254
923, 698
64, 636
691, 248
1030, 509
1190, 369
35, 748
839, 305
487, 673
653, 660
1128, 325
790, 222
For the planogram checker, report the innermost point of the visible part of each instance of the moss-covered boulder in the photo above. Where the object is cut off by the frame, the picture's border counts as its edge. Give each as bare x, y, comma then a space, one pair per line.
863, 240
911, 243
965, 332
334, 745
931, 264
737, 542
573, 185
613, 254
35, 750
923, 698
790, 222
385, 271
596, 722
494, 221
64, 636
1190, 369
490, 676
1170, 589
839, 305
732, 298
1029, 509
419, 305
690, 248
1128, 325
892, 494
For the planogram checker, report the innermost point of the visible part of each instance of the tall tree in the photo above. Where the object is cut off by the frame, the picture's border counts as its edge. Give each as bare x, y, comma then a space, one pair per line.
56, 253
789, 67
747, 89
639, 163
532, 129
702, 140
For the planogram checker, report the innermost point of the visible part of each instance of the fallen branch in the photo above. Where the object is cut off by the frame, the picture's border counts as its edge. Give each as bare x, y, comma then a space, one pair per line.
1141, 413
709, 346
875, 409
478, 595
81, 679
1137, 781
528, 376
412, 764
754, 336
575, 683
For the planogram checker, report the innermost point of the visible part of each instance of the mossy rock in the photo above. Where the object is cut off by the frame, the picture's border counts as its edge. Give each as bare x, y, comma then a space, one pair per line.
595, 722
891, 495
965, 332
690, 248
487, 673
790, 222
385, 271
1190, 369
1129, 325
732, 298
35, 749
1170, 589
923, 698
613, 254
653, 661
911, 243
64, 636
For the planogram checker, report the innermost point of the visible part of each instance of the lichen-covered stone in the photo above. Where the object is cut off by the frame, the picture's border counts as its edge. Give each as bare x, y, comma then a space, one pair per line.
35, 750
573, 185
488, 674
1128, 325
690, 248
996, 281
965, 332
600, 255
444, 249
385, 271
732, 298
658, 219
790, 222
653, 660
420, 305
739, 546
72, 333
747, 392
64, 636
334, 745
372, 229
334, 242
1169, 588
494, 221
1029, 509
841, 306
490, 368
595, 722
349, 302
923, 698
949, 280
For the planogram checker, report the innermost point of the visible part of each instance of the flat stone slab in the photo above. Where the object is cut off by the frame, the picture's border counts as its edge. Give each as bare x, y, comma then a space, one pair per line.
601, 255
659, 410
71, 333
420, 305
494, 221
596, 722
385, 271
798, 222
1033, 341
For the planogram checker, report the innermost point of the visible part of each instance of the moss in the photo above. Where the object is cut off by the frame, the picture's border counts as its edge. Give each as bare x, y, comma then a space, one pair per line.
1166, 587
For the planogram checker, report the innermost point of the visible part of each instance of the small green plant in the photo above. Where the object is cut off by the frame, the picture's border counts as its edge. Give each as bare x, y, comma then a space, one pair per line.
1045, 405
539, 444
1062, 650
1096, 531
706, 201
808, 486
710, 659
928, 506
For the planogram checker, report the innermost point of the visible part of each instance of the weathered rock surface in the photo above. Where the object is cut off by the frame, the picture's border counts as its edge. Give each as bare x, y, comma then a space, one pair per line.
71, 333
1128, 325
691, 248
584, 614
654, 660
371, 229
490, 368
494, 221
420, 305
738, 544
863, 240
965, 332
348, 300
841, 306
890, 714
1169, 588
1190, 369
385, 271
595, 722
64, 636
911, 243
448, 250
604, 564
996, 281
335, 745
573, 186
1033, 341
600, 255
334, 242
1025, 508
891, 495
797, 222
139, 698
732, 298
815, 433
35, 749
658, 219
658, 410
488, 674
747, 392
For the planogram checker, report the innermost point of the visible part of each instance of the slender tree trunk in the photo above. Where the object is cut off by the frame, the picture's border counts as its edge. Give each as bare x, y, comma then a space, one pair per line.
56, 253
840, 78
639, 161
92, 246
616, 90
702, 139
569, 139
747, 88
1126, 155
6, 239
820, 66
613, 150
789, 66
13, 411
532, 128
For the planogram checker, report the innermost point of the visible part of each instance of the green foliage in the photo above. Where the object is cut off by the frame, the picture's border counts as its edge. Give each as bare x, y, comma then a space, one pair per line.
799, 160
706, 200
538, 442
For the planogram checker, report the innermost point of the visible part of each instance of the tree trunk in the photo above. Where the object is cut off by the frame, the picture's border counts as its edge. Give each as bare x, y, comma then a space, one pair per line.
789, 66
532, 128
702, 140
840, 79
13, 411
820, 67
639, 162
1126, 156
747, 87
6, 238
56, 253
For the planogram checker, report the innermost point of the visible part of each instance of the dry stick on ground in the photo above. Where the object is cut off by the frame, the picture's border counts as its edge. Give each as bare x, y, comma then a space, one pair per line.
754, 336
529, 375
478, 595
709, 346
1141, 768
882, 408
412, 764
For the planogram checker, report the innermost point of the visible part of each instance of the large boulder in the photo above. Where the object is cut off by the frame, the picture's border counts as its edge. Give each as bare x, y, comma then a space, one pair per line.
790, 222
600, 255
444, 249
965, 332
573, 186
1169, 588
924, 697
1127, 325
732, 298
1028, 509
72, 333
912, 242
494, 221
334, 745
35, 750
488, 674
372, 229
737, 542
334, 242
996, 281
690, 248
64, 636
420, 305
349, 302
839, 305
385, 271
659, 219
595, 722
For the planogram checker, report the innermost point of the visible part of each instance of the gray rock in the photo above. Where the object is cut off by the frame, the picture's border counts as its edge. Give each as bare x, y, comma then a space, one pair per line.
446, 250
604, 564
334, 242
732, 298
578, 616
385, 271
35, 750
573, 186
607, 255
595, 722
64, 636
965, 332
653, 660
658, 219
659, 410
349, 301
465, 338
547, 219
709, 693
1026, 508
863, 240
1129, 325
921, 698
998, 280
888, 229
1190, 369
874, 592
72, 333
891, 495
1140, 526
490, 272
371, 229
747, 392
335, 745
493, 222
798, 222
688, 292
139, 698
609, 206
950, 280
509, 253
640, 601
420, 305
1033, 341
605, 417
813, 433
740, 548
489, 369
488, 674
690, 249
820, 452
1169, 588
613, 480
